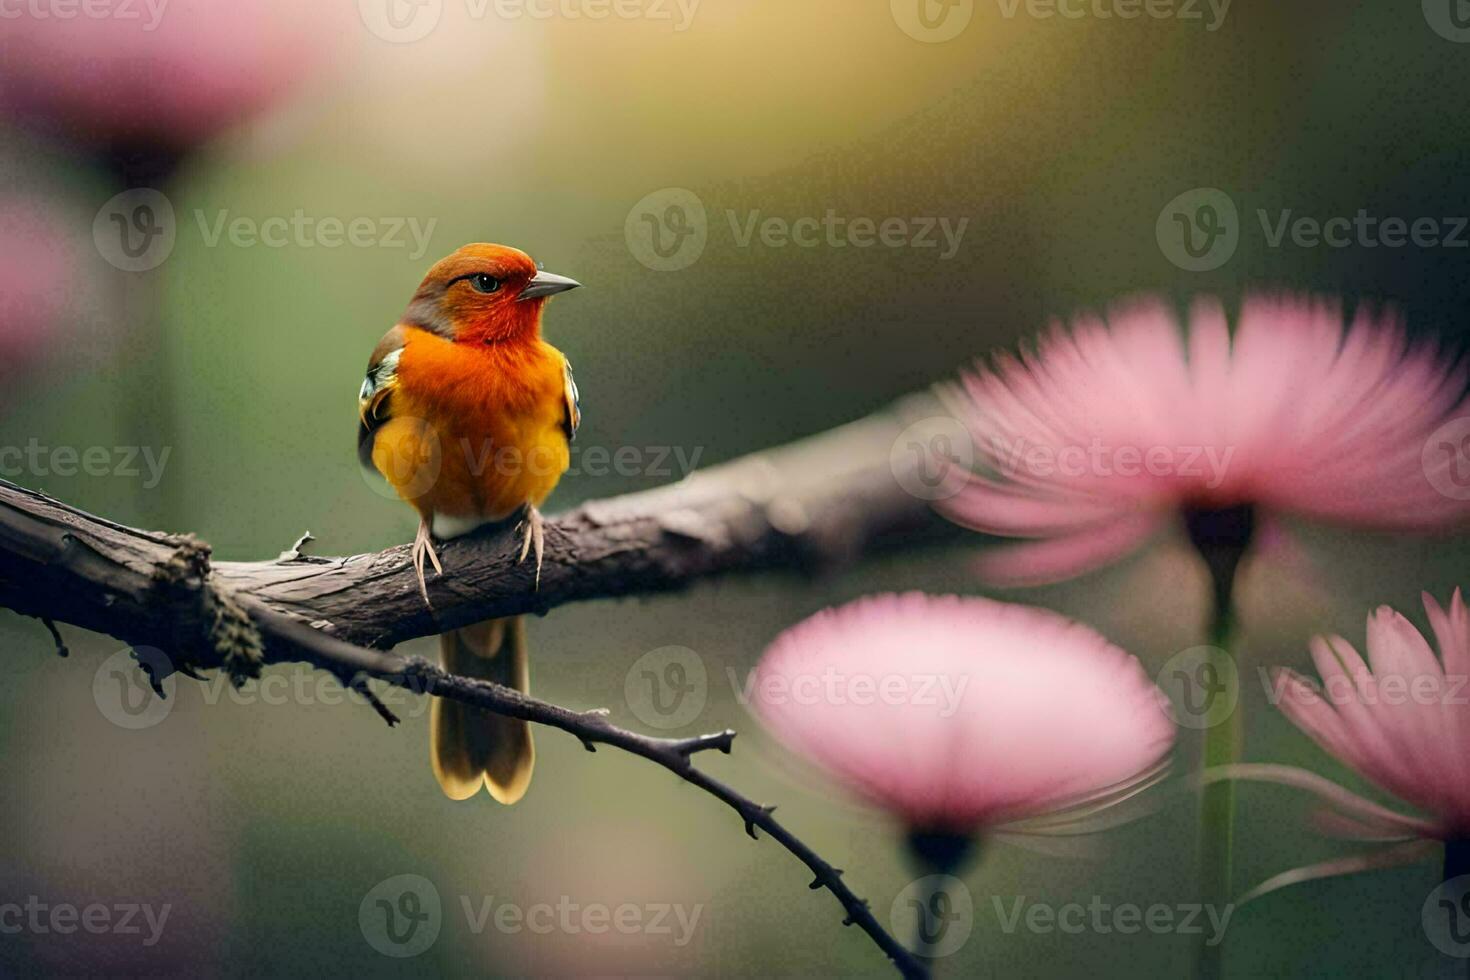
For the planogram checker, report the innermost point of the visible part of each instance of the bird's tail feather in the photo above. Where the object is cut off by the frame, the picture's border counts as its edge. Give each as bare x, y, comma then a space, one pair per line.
472, 747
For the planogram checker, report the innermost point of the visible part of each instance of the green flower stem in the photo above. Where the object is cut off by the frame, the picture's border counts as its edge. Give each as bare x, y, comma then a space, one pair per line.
935, 853
1221, 536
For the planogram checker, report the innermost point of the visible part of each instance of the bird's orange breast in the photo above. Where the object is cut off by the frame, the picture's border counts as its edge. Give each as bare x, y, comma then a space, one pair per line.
476, 432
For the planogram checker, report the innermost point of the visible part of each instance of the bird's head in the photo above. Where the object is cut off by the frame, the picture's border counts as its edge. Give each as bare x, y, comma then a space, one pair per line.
484, 294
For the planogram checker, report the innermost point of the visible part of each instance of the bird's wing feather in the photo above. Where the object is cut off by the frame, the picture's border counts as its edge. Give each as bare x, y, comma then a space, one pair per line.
373, 408
573, 419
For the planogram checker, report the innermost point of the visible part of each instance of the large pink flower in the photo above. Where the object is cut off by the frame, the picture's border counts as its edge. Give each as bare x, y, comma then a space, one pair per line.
169, 75
1108, 430
1402, 718
961, 714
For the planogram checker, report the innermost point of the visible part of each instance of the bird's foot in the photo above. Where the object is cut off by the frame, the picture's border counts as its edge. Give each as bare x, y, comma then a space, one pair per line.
534, 526
423, 547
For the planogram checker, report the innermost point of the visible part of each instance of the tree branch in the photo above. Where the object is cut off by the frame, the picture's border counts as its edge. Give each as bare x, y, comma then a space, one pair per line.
815, 504
812, 505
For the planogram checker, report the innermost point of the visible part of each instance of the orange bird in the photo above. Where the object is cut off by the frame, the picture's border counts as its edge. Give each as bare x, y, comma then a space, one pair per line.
470, 415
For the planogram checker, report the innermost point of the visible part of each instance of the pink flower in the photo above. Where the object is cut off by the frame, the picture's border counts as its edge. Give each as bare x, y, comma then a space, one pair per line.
170, 77
1102, 435
1401, 719
961, 714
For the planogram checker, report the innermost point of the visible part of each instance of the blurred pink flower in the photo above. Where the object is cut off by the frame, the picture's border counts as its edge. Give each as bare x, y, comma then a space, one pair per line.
170, 80
961, 714
1402, 719
33, 280
1105, 432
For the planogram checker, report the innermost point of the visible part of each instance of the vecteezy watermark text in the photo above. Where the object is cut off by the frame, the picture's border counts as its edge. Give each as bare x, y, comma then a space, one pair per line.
406, 21
38, 460
303, 230
98, 918
833, 230
1104, 918
1119, 9
1099, 459
67, 10
674, 920
1200, 229
136, 230
402, 916
668, 230
941, 692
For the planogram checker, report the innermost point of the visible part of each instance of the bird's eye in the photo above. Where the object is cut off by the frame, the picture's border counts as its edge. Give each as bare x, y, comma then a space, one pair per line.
484, 282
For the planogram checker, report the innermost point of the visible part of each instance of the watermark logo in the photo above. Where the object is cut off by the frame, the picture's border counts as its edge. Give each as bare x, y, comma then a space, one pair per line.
400, 21
574, 918
401, 916
302, 230
1104, 918
933, 458
408, 456
668, 229
833, 230
1202, 684
1184, 10
67, 10
123, 688
1446, 459
1199, 230
300, 686
1446, 917
1390, 688
1362, 230
129, 462
65, 918
135, 230
937, 911
1450, 19
932, 21
939, 694
667, 688
1206, 465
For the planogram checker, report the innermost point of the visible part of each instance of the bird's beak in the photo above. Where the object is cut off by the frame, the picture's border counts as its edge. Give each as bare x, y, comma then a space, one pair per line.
546, 284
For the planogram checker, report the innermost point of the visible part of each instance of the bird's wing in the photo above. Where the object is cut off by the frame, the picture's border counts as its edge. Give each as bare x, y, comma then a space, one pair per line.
574, 403
373, 407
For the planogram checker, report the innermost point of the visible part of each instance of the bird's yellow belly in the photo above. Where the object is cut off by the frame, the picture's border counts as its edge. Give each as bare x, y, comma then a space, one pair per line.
471, 473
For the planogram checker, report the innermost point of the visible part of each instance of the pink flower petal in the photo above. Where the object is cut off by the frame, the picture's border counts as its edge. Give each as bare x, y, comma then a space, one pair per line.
1040, 711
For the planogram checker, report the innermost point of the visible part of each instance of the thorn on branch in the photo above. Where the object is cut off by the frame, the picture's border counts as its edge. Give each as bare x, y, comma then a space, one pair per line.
156, 665
359, 683
765, 811
61, 650
703, 743
852, 916
294, 553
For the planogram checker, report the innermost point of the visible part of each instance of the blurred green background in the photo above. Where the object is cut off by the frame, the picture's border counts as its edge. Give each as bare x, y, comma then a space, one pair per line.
265, 823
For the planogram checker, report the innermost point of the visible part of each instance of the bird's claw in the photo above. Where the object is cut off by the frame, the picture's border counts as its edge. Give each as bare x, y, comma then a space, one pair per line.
423, 547
535, 537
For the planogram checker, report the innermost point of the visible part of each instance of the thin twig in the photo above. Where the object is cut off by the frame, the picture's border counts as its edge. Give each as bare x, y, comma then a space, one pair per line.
592, 728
